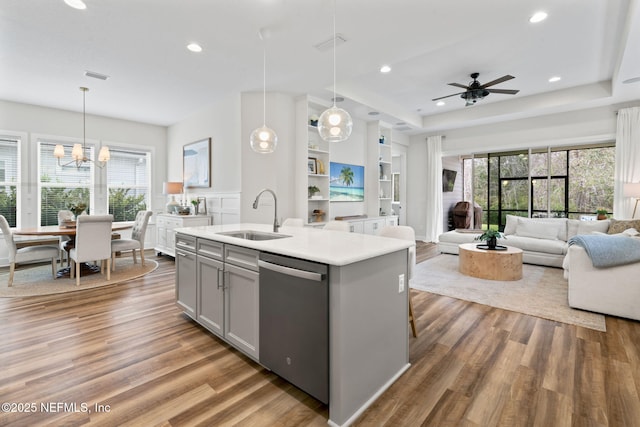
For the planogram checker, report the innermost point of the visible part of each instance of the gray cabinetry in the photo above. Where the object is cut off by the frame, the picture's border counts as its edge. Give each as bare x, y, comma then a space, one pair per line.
210, 312
218, 286
242, 298
186, 277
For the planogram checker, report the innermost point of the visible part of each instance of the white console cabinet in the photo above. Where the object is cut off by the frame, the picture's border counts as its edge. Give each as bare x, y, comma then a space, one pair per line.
165, 230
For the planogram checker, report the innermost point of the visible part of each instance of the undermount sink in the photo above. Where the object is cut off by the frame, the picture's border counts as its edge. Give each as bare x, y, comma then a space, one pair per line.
253, 235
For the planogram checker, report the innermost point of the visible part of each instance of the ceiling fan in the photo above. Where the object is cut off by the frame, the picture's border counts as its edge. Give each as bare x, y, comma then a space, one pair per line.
475, 90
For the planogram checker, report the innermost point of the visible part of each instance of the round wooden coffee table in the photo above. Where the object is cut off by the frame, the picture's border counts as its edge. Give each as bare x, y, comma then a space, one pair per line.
490, 264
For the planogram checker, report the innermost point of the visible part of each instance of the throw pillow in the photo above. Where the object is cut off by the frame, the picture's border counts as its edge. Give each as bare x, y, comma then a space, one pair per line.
618, 226
537, 229
589, 227
572, 227
511, 224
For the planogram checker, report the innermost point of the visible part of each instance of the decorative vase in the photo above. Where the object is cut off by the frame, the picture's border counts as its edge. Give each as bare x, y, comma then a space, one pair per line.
602, 216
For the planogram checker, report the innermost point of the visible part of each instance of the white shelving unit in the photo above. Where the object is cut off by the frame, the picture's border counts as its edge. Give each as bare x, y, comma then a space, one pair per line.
312, 160
379, 148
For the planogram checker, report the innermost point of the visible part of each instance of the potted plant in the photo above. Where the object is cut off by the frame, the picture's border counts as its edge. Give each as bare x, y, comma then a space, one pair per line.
195, 204
602, 213
491, 237
312, 189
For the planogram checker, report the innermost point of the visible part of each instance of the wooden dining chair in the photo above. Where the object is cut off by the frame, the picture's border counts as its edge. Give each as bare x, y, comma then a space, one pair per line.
136, 242
93, 243
28, 254
65, 216
406, 233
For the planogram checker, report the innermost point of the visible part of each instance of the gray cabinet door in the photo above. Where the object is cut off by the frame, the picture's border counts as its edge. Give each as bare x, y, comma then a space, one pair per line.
242, 315
186, 282
210, 295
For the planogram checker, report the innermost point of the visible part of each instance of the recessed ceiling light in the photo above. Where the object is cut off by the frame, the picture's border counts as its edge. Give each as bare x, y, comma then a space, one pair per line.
194, 47
554, 79
538, 17
385, 69
76, 4
373, 113
337, 99
440, 103
631, 80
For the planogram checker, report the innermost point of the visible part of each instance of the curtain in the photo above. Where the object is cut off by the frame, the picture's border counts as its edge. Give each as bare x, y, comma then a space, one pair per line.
627, 159
433, 165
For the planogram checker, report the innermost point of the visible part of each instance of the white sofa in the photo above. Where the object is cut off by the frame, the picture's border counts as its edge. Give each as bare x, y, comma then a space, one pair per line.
613, 290
542, 240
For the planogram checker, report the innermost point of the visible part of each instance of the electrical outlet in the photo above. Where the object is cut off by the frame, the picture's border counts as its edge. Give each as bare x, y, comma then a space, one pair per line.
401, 283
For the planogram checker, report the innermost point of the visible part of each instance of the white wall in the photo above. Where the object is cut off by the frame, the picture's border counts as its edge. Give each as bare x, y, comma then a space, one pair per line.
577, 127
274, 170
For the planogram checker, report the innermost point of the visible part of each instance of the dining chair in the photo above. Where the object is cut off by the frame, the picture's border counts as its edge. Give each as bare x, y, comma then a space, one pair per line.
406, 233
93, 242
136, 242
293, 222
337, 225
65, 247
30, 253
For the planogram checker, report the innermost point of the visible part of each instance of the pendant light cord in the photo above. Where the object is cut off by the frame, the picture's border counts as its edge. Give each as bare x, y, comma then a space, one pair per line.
334, 53
84, 121
264, 84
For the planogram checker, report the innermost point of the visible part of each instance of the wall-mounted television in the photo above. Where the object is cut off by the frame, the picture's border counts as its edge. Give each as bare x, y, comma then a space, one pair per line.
448, 180
346, 182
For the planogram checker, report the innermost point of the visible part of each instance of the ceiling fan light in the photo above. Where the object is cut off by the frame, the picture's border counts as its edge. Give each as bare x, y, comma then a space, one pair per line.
335, 125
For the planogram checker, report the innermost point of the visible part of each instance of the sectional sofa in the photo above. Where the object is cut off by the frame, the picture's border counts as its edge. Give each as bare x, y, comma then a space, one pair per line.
542, 240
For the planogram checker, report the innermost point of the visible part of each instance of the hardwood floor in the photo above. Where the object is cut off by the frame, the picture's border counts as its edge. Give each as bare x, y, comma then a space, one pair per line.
128, 349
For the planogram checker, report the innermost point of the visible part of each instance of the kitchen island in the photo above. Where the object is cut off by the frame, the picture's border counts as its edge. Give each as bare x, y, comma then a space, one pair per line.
221, 277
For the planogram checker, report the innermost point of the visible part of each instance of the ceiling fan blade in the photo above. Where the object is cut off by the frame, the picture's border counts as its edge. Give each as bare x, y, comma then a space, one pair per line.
505, 91
458, 85
496, 81
443, 97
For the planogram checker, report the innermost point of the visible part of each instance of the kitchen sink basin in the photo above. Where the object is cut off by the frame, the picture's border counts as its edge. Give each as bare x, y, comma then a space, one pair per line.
253, 235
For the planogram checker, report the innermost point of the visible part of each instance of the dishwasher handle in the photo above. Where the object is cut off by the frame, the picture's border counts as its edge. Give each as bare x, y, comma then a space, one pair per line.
303, 274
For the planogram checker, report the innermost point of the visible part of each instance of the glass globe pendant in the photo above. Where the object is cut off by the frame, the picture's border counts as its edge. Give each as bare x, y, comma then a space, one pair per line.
263, 140
335, 124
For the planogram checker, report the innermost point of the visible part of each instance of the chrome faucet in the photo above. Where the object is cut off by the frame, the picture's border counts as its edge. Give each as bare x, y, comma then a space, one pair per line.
275, 205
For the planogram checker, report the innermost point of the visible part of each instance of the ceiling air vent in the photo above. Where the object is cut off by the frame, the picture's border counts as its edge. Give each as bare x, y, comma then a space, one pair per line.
96, 75
328, 44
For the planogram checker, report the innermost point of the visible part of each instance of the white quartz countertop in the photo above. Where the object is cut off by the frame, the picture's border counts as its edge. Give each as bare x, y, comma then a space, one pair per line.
325, 246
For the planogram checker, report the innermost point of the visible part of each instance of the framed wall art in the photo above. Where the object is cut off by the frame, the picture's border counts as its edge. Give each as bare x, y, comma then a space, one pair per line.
196, 163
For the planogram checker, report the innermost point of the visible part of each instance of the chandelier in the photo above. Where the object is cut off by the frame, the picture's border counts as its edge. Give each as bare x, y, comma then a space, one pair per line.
78, 153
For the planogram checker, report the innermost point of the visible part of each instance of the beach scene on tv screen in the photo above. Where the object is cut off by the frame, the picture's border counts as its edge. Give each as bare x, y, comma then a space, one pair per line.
346, 182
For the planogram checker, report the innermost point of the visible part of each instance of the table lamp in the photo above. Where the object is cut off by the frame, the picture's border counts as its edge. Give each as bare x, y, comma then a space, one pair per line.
172, 188
632, 189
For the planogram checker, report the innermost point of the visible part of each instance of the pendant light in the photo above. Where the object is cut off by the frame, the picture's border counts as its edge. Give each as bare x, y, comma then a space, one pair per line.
78, 153
334, 124
263, 139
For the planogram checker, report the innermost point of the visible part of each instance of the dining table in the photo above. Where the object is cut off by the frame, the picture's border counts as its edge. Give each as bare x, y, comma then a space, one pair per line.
69, 231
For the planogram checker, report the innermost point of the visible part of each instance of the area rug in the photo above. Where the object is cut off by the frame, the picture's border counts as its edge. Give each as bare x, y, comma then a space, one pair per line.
542, 291
32, 281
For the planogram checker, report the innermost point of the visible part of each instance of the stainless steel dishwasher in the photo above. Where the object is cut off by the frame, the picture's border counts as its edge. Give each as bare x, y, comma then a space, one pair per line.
294, 322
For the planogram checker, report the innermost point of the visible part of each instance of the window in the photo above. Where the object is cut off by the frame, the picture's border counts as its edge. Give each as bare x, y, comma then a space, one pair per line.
557, 182
62, 186
128, 183
9, 178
